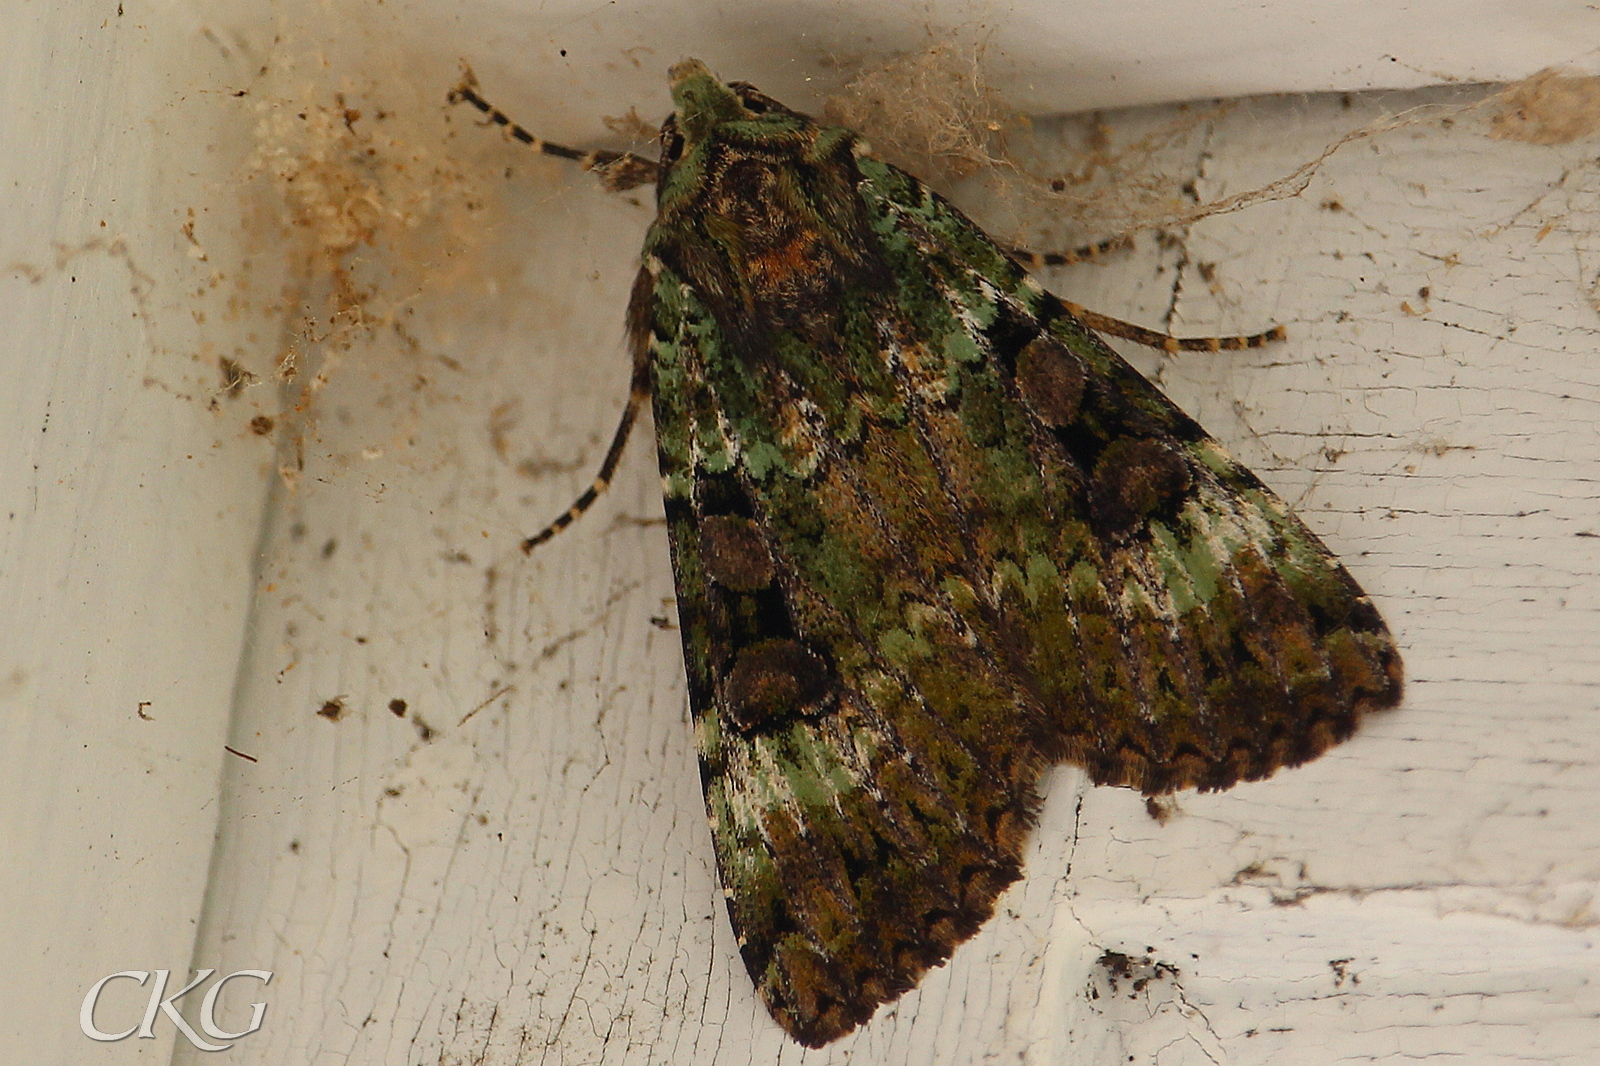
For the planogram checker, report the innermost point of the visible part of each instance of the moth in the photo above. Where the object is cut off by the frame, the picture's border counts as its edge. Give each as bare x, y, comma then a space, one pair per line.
931, 536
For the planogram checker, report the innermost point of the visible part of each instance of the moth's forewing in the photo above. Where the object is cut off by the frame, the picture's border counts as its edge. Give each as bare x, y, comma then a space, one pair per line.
931, 535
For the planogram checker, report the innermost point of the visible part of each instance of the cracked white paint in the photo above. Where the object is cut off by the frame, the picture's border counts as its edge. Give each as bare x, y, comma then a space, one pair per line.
534, 881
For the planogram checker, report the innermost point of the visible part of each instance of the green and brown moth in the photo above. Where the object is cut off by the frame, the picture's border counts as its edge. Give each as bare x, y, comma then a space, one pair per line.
930, 536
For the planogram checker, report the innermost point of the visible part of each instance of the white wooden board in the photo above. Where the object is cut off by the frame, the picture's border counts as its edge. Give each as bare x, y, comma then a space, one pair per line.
515, 868
129, 510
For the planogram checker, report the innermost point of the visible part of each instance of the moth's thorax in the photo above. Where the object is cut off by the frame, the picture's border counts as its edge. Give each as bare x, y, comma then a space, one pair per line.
758, 204
720, 158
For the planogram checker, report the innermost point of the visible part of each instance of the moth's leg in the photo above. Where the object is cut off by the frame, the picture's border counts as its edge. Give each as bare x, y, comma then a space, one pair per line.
1127, 330
638, 393
1151, 339
619, 170
1087, 254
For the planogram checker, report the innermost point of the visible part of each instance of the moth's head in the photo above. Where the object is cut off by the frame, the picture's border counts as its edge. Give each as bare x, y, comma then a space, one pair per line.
707, 109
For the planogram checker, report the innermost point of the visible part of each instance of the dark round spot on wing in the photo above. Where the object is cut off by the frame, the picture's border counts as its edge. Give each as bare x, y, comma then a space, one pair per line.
773, 679
1135, 480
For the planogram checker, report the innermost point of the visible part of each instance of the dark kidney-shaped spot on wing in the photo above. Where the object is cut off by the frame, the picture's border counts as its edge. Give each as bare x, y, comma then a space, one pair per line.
1051, 379
774, 679
734, 554
1135, 480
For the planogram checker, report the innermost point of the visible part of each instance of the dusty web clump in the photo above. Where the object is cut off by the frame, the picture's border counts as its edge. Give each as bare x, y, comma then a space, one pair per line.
932, 112
936, 113
371, 215
1551, 107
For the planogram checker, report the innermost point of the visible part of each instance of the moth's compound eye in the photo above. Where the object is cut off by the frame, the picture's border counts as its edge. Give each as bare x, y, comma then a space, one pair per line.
671, 143
757, 102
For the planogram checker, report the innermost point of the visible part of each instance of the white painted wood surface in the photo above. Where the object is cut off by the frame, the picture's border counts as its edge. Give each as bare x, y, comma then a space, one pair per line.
129, 511
515, 868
